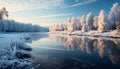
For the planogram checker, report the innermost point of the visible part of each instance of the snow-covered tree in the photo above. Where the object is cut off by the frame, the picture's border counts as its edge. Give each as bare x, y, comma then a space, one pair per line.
69, 27
89, 21
114, 16
3, 13
64, 26
60, 27
84, 28
78, 24
71, 24
67, 22
102, 22
83, 23
82, 20
95, 23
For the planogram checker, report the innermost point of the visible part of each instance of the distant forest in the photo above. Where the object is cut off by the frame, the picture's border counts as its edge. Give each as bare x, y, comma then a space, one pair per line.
8, 25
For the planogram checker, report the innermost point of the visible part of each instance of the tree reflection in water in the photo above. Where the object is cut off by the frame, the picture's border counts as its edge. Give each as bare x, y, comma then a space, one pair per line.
102, 46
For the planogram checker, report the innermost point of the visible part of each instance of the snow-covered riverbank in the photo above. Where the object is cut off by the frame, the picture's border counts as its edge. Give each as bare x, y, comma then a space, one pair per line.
110, 34
14, 52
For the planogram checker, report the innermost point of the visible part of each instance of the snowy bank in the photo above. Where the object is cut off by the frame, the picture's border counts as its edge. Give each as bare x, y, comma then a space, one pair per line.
94, 33
14, 52
110, 34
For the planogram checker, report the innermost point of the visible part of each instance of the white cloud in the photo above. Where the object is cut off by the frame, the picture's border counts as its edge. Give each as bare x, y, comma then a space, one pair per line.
42, 19
82, 3
18, 5
52, 15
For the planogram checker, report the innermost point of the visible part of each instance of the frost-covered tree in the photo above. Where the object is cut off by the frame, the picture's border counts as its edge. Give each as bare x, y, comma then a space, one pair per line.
71, 24
83, 23
64, 26
3, 13
69, 27
89, 21
67, 22
82, 20
114, 16
53, 27
95, 22
84, 28
78, 24
60, 27
102, 22
50, 28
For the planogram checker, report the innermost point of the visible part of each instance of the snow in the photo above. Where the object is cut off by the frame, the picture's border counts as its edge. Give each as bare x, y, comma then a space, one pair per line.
14, 50
93, 33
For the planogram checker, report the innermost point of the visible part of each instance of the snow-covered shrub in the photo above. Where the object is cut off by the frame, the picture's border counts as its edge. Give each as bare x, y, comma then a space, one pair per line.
16, 64
14, 56
22, 54
21, 46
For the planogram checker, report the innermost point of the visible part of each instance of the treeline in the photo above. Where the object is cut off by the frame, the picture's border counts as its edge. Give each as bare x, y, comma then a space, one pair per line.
102, 22
13, 26
7, 25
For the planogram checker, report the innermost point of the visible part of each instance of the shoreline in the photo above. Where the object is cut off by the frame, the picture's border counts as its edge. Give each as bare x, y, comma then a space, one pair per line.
94, 33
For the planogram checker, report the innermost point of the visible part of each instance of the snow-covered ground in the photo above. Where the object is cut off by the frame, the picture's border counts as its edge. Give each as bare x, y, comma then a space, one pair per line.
94, 33
14, 52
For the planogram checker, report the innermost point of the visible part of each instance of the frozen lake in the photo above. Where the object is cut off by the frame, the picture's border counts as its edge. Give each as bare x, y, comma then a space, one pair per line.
70, 52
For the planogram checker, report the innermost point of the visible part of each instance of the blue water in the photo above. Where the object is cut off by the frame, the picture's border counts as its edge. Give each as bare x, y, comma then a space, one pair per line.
71, 52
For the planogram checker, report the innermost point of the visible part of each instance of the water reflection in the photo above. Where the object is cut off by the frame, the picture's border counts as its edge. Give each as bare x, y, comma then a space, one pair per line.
103, 46
36, 37
72, 52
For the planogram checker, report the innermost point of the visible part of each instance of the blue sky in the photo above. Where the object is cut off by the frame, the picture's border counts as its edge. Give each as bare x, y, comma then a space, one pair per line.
47, 12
